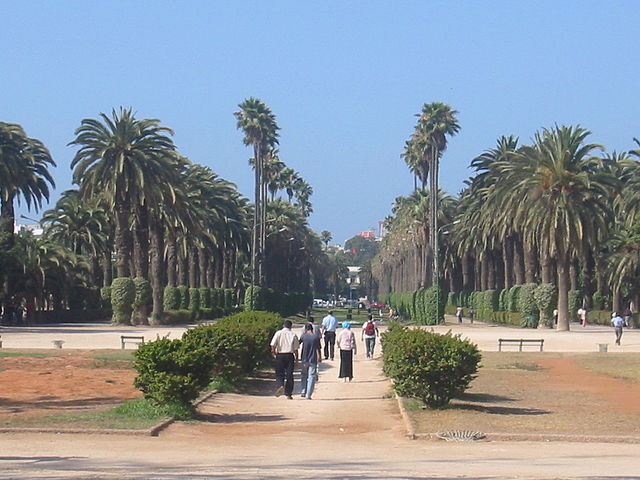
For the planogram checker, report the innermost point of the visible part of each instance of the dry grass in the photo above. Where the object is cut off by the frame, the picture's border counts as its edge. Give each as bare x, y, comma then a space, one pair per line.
544, 393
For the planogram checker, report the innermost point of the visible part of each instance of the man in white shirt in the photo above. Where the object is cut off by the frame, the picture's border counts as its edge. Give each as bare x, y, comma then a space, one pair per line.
618, 323
329, 325
284, 347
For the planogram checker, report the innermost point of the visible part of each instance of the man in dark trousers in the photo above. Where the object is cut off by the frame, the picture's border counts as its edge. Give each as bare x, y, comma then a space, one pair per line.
329, 325
284, 347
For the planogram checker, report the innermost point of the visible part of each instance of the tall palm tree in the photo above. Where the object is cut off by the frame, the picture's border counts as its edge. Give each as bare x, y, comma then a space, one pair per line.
561, 196
24, 172
436, 121
260, 130
130, 163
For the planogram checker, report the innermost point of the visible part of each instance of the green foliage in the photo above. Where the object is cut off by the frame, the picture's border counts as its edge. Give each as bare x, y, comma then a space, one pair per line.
194, 299
527, 305
598, 301
514, 298
171, 300
123, 294
172, 372
428, 366
237, 344
546, 298
143, 292
503, 300
184, 297
205, 297
105, 295
490, 300
574, 303
177, 317
229, 299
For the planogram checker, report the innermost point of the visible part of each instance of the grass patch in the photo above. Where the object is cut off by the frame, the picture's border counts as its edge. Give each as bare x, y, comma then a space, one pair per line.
625, 366
130, 415
28, 354
530, 367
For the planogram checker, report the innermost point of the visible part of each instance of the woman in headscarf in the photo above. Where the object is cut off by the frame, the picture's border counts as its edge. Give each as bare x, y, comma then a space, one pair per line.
347, 344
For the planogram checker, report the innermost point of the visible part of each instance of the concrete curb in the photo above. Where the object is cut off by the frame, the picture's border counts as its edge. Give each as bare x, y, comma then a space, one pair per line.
408, 426
153, 431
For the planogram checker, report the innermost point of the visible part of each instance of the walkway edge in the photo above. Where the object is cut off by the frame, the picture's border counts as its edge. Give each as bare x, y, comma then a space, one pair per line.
408, 425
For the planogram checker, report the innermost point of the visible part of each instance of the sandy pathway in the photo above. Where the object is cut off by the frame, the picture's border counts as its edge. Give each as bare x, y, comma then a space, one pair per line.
349, 431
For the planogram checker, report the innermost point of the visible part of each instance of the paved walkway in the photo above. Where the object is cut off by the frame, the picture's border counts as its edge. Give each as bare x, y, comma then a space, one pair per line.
349, 431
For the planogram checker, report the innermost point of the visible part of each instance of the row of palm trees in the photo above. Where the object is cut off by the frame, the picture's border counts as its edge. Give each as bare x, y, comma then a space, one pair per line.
154, 214
559, 211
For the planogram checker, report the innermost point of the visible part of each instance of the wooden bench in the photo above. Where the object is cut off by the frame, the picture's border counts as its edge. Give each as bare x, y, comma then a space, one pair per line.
124, 339
520, 342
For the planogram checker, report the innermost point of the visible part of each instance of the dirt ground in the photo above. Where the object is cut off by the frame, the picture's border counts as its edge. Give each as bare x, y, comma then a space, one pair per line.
348, 431
37, 387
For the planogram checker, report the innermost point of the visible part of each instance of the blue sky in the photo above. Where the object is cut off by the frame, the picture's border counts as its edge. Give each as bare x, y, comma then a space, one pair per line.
344, 79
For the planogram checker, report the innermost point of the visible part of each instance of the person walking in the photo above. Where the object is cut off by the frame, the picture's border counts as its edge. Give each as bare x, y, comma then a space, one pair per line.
618, 323
582, 313
347, 345
329, 326
628, 317
284, 347
472, 314
369, 334
309, 360
459, 314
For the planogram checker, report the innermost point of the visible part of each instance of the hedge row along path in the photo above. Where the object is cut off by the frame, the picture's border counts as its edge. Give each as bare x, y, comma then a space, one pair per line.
350, 430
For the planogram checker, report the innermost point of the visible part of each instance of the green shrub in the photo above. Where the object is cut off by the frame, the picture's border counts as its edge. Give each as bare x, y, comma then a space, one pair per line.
434, 301
123, 294
503, 300
546, 297
205, 297
171, 299
171, 372
143, 300
229, 299
598, 301
514, 296
184, 297
194, 299
237, 344
105, 295
177, 317
574, 302
431, 367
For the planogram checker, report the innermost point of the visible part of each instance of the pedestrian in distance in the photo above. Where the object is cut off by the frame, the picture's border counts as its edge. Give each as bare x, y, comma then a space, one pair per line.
459, 314
369, 334
329, 326
284, 347
628, 317
347, 344
309, 359
582, 316
472, 313
618, 322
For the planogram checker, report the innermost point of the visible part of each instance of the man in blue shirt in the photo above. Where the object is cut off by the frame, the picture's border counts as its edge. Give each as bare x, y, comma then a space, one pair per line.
618, 323
329, 325
309, 359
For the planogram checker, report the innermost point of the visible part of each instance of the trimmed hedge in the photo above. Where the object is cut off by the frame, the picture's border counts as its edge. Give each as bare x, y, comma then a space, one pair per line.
123, 294
431, 367
171, 300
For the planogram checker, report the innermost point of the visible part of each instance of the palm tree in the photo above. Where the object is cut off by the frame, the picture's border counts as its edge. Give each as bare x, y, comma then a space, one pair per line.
260, 129
435, 122
326, 237
561, 196
130, 163
24, 172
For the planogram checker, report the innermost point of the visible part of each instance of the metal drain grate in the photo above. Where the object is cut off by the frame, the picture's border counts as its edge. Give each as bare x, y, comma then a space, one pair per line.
460, 435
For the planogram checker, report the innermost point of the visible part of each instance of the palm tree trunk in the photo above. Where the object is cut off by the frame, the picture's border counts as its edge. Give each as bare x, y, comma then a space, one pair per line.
518, 260
546, 267
529, 262
203, 260
171, 258
157, 269
193, 266
562, 261
573, 274
507, 261
255, 268
587, 279
122, 241
107, 268
141, 245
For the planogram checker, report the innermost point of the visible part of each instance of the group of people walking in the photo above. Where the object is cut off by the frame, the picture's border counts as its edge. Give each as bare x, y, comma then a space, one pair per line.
285, 345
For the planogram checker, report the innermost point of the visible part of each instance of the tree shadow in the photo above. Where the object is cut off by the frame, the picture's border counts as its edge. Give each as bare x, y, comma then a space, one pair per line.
496, 410
485, 398
237, 418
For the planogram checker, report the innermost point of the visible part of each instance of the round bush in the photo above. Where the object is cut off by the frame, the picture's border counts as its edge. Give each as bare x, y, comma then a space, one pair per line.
171, 298
123, 294
431, 367
194, 299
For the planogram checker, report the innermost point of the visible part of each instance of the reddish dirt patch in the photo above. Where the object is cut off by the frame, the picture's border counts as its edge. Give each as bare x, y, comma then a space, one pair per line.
61, 384
566, 375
